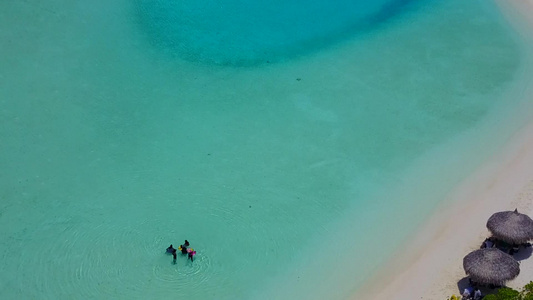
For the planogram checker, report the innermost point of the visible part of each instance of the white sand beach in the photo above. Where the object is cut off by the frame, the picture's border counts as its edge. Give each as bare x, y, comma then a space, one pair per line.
430, 266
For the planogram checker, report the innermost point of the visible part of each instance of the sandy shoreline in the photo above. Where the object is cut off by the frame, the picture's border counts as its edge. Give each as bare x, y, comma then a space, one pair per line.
431, 265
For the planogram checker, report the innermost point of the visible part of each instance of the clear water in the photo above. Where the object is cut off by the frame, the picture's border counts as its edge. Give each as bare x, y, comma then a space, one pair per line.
128, 126
235, 32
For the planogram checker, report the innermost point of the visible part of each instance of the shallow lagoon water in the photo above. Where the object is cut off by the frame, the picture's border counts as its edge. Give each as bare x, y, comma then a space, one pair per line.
115, 145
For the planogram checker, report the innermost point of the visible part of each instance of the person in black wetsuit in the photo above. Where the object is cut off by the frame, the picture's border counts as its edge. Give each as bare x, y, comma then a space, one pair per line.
171, 249
184, 247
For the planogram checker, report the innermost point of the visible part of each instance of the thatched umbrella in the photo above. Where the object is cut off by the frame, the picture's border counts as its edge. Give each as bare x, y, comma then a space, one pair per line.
511, 227
490, 266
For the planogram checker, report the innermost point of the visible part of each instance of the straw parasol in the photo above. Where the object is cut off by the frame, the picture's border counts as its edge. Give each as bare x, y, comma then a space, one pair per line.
511, 227
490, 266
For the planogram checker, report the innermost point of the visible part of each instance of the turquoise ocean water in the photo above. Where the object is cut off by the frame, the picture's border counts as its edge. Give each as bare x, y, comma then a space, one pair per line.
288, 141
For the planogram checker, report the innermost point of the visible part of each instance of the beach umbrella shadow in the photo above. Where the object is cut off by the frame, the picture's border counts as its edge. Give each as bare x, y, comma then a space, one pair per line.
465, 283
523, 253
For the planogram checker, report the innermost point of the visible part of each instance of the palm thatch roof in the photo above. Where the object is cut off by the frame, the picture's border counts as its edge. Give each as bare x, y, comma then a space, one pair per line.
490, 266
511, 227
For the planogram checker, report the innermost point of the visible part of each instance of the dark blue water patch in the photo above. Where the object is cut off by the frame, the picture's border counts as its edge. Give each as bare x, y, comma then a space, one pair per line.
243, 33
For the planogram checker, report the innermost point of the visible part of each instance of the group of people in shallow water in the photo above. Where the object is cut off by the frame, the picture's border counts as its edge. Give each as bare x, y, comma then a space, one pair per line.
184, 249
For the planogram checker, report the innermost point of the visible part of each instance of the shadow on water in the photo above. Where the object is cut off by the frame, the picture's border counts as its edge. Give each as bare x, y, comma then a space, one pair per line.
189, 32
